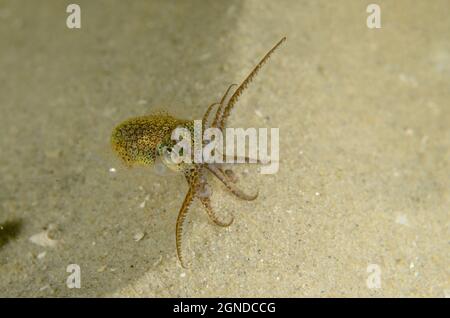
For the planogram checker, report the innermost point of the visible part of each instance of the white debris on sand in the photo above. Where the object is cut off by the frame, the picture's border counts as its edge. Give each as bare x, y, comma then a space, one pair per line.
101, 269
42, 239
41, 255
409, 132
142, 205
158, 261
45, 287
258, 113
402, 219
138, 236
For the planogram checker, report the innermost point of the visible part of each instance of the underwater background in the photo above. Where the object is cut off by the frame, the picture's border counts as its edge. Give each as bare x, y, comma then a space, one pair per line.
363, 186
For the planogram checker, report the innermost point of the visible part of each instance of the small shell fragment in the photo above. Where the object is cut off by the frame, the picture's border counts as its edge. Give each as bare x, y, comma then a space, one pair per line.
41, 255
101, 269
402, 219
138, 236
42, 239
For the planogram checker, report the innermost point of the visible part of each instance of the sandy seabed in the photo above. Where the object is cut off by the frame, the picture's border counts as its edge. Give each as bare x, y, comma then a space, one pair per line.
364, 116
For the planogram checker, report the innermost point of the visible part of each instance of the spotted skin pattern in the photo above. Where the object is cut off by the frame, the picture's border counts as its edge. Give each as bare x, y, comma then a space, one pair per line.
141, 140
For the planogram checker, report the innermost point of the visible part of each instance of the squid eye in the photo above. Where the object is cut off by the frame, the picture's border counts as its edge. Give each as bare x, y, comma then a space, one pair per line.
166, 151
168, 160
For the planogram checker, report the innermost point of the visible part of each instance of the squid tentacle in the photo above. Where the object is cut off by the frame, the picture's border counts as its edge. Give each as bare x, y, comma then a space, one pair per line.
230, 186
192, 177
218, 116
237, 93
209, 210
